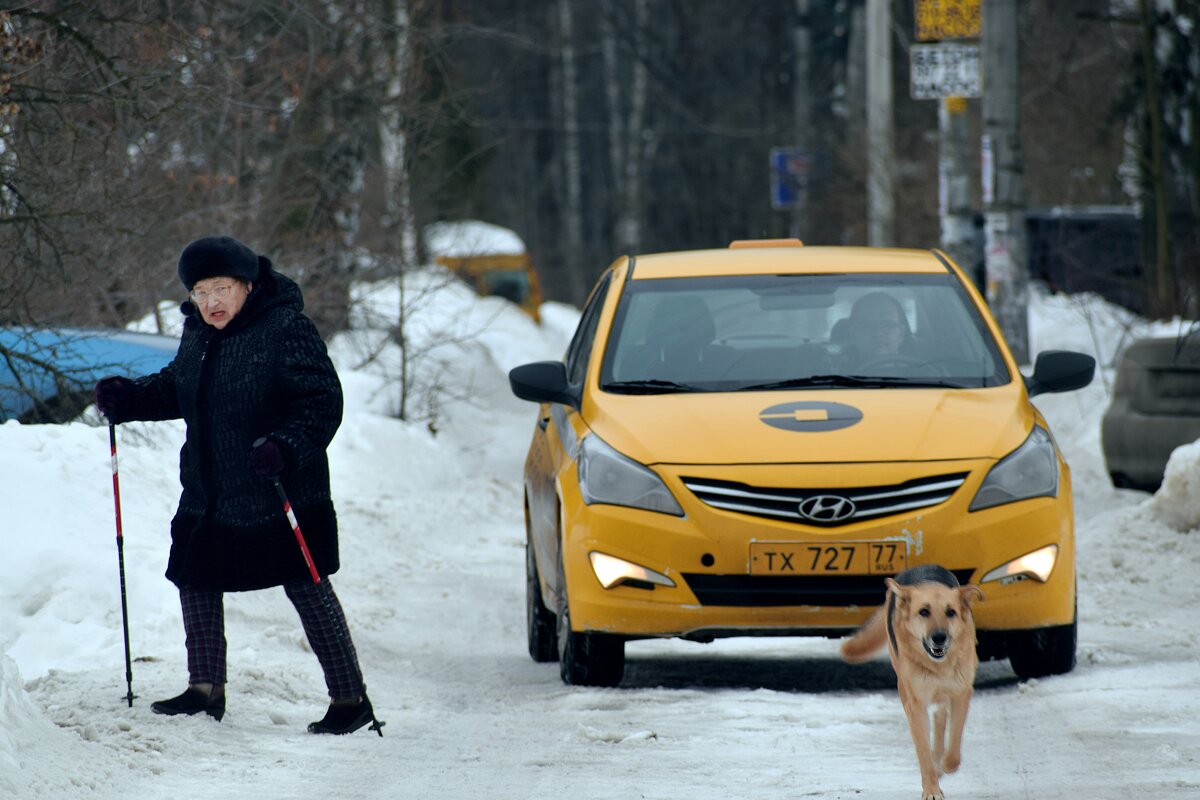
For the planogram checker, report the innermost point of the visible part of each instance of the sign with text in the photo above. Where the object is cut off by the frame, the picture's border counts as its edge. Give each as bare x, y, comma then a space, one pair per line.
944, 70
790, 170
947, 19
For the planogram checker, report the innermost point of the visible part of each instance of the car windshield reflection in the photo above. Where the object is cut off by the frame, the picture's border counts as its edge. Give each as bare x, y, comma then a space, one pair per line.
765, 332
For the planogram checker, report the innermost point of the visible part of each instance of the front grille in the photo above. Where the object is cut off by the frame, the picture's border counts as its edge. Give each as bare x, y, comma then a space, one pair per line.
771, 590
866, 502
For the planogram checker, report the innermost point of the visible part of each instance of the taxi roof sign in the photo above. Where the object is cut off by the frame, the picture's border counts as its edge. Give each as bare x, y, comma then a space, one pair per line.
745, 244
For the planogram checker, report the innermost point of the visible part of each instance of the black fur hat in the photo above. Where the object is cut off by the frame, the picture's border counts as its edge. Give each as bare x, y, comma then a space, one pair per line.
217, 257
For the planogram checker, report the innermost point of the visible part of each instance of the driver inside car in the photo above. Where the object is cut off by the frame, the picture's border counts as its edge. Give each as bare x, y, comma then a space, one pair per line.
877, 332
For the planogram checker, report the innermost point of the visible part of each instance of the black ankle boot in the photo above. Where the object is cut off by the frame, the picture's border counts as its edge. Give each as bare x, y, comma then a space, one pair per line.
193, 701
344, 718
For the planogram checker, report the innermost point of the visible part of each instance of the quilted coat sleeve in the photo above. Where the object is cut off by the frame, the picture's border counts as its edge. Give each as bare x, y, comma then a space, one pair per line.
152, 397
313, 394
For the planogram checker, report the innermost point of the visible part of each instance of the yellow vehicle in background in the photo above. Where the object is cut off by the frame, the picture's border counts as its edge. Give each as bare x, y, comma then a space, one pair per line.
491, 259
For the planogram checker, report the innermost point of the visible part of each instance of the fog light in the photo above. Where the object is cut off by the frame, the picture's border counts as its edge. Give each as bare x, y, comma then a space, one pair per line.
1032, 566
612, 571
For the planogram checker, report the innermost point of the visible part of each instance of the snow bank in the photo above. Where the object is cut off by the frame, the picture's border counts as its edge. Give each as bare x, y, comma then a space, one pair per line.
36, 757
1088, 323
1177, 502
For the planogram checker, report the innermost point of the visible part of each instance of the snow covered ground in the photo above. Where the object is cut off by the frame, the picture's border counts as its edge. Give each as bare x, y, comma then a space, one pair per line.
432, 582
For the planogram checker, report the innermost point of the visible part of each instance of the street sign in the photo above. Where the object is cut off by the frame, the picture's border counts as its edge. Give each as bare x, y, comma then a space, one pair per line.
947, 19
790, 168
945, 69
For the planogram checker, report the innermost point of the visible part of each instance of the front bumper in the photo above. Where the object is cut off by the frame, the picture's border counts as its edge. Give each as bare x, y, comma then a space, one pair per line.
710, 547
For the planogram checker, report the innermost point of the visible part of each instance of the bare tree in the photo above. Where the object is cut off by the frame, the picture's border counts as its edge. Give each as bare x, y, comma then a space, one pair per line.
625, 84
572, 160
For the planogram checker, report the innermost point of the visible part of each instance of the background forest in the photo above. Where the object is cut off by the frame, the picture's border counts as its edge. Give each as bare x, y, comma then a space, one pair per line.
329, 134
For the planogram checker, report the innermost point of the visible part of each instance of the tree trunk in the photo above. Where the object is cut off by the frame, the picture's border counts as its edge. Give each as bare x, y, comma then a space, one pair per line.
802, 113
881, 203
399, 229
627, 149
572, 169
1163, 288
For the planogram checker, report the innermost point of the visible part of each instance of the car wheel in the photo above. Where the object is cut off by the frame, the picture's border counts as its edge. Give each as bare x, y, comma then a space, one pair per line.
540, 621
1042, 652
585, 659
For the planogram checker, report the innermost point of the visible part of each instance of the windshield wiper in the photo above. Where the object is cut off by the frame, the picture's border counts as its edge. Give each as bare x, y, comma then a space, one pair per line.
647, 386
851, 382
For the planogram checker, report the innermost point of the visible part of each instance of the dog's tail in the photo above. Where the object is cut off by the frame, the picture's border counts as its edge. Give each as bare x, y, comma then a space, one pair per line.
870, 638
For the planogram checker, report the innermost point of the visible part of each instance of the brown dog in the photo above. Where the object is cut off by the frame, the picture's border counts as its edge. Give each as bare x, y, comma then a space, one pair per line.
927, 625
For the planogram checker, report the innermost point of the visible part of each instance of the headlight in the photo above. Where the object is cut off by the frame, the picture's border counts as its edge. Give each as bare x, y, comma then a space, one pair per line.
606, 476
1037, 566
1029, 471
612, 571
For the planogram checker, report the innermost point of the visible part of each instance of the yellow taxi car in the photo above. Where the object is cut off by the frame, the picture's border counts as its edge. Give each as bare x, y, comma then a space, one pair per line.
746, 441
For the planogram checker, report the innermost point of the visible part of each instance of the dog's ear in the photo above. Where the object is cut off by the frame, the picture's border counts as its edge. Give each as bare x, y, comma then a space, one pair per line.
970, 593
896, 589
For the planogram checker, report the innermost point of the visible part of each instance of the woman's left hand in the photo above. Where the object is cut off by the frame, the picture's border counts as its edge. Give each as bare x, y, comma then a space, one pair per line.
266, 459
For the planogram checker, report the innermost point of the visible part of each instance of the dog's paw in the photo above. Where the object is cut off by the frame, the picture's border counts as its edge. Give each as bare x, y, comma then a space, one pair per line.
950, 763
934, 795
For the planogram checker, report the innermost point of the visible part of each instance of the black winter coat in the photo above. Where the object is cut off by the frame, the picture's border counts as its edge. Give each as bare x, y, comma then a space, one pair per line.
267, 373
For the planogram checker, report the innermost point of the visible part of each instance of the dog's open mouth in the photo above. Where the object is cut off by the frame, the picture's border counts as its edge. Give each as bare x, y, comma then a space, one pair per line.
936, 651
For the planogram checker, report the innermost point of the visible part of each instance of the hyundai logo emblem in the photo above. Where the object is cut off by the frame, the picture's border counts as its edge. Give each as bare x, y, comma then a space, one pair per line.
826, 508
810, 416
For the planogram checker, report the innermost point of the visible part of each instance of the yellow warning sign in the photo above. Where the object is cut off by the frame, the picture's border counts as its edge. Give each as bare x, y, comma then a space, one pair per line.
947, 19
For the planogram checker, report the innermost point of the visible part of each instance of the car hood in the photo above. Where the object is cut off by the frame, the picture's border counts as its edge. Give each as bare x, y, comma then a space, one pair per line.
849, 426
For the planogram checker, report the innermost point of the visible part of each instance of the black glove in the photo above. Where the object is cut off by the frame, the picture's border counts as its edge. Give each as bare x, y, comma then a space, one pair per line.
111, 393
266, 459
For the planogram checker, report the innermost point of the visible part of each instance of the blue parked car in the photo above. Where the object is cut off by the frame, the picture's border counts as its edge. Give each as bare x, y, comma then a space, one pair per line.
47, 375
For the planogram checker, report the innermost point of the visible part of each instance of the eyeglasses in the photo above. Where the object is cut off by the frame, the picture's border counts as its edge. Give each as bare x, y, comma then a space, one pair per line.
219, 292
882, 326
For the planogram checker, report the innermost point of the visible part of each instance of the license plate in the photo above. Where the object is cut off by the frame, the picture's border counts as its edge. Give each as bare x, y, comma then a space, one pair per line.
828, 558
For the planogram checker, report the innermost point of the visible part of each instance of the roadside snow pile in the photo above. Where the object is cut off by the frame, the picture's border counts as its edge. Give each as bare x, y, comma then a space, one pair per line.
1089, 324
34, 754
15, 712
468, 238
1177, 502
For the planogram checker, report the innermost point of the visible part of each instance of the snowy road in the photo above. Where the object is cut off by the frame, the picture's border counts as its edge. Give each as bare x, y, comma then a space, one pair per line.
433, 586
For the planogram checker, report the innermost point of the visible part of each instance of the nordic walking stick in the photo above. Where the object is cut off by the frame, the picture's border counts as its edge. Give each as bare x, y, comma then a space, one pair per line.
376, 725
112, 443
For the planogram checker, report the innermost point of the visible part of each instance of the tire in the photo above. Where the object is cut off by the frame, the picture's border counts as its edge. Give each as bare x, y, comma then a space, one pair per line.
541, 623
1042, 652
585, 659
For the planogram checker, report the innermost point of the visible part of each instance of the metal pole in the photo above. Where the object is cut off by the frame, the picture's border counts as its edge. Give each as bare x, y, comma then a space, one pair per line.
954, 186
1006, 249
112, 443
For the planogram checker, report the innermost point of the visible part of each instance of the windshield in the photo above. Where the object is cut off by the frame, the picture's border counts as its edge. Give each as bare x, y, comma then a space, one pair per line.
511, 284
738, 333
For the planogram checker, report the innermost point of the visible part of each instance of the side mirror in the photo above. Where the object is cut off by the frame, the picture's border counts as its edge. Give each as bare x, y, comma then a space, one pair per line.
1060, 371
542, 382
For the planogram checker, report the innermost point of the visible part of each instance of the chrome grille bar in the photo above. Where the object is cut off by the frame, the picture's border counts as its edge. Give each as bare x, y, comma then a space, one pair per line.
784, 503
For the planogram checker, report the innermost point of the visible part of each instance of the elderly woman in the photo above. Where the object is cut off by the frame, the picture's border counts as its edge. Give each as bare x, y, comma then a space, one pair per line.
250, 367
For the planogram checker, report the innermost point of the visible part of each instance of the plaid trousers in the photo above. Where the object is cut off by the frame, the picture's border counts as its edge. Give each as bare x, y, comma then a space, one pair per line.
320, 614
